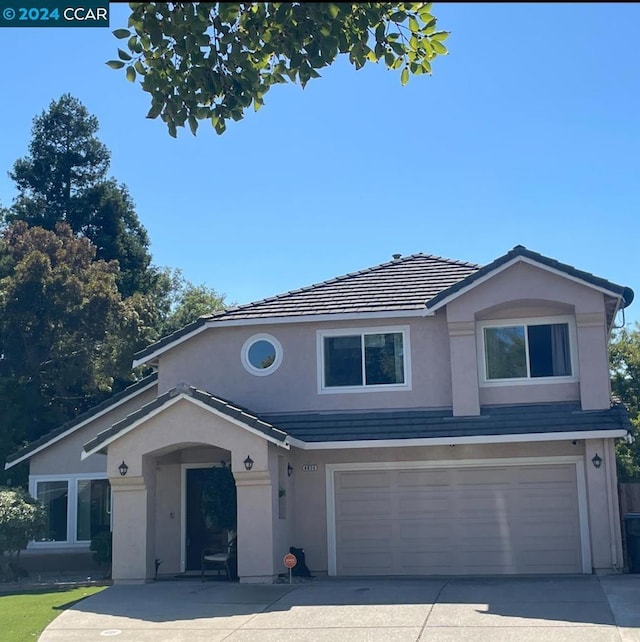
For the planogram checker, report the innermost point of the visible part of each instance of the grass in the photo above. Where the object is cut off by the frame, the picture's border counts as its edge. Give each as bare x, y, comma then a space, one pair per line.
23, 616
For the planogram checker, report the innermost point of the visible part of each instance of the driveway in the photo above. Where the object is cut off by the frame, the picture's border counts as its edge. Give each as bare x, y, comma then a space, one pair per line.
580, 608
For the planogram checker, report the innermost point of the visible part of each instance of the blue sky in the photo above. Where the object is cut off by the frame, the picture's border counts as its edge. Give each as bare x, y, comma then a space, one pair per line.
527, 133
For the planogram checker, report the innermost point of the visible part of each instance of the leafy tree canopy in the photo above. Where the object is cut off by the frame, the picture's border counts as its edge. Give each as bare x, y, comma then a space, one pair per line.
187, 302
625, 382
65, 331
213, 60
64, 179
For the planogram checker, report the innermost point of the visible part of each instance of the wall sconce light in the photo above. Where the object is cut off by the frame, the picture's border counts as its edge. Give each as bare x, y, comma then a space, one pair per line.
248, 463
123, 468
289, 470
597, 460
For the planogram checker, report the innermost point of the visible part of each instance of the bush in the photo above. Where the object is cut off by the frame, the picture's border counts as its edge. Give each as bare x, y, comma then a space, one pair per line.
22, 519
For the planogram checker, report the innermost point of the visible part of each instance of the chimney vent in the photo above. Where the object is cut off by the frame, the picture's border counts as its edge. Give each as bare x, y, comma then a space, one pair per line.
396, 256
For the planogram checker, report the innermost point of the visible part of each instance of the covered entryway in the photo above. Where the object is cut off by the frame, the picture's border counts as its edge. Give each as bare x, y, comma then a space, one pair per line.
487, 518
186, 429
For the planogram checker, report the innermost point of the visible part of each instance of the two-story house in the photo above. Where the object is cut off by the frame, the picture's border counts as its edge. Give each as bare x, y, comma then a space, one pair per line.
423, 416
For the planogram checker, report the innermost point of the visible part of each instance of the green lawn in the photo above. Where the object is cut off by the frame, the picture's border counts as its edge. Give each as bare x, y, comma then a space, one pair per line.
23, 616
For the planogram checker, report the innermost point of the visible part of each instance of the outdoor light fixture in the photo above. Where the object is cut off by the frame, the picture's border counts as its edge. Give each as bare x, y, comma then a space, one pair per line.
123, 468
248, 463
289, 470
597, 460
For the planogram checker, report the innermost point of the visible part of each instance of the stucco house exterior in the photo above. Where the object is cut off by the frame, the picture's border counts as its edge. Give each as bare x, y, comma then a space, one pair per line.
425, 416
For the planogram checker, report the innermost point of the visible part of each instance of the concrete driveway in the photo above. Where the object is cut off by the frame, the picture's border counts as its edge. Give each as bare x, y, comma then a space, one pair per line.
580, 608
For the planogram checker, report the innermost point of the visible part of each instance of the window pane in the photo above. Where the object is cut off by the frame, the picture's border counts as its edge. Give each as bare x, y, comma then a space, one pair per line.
93, 508
261, 354
505, 352
54, 495
549, 354
343, 361
384, 359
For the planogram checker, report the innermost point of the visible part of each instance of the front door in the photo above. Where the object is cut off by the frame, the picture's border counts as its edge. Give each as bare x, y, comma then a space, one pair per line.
199, 534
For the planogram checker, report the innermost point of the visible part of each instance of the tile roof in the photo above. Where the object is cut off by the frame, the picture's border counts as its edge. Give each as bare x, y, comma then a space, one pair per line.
403, 284
130, 391
424, 424
411, 283
228, 408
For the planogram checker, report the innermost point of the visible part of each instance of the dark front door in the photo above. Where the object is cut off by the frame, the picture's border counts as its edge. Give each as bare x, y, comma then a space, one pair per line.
199, 535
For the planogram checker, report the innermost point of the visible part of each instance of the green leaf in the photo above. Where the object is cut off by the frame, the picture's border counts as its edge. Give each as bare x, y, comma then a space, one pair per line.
413, 25
155, 110
334, 10
404, 77
123, 55
121, 34
131, 74
440, 36
439, 48
115, 64
193, 124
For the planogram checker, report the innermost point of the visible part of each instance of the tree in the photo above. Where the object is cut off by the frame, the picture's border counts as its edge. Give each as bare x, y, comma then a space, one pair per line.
212, 60
188, 302
625, 382
64, 179
65, 331
22, 519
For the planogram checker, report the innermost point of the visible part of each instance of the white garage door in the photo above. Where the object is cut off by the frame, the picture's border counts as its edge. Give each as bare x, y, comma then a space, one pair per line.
484, 520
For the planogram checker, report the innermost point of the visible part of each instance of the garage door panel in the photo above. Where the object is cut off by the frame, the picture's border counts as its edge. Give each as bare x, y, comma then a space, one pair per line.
366, 506
493, 520
547, 475
422, 478
408, 507
364, 480
477, 477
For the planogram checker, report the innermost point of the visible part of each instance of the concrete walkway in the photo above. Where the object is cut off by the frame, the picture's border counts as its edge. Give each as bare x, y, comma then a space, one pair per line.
541, 609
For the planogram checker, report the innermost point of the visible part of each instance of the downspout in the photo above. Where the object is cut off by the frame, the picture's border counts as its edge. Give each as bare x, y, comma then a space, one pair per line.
614, 513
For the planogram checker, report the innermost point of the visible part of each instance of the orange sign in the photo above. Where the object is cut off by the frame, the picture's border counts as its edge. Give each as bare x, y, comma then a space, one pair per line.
290, 560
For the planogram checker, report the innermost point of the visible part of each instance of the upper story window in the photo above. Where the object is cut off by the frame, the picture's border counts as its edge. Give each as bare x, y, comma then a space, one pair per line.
355, 360
527, 350
261, 354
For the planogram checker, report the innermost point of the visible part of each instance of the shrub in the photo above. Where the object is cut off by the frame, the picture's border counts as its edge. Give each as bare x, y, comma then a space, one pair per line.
22, 519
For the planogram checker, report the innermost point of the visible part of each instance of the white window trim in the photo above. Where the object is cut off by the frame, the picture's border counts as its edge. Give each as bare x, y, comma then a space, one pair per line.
528, 380
244, 355
343, 332
581, 486
72, 507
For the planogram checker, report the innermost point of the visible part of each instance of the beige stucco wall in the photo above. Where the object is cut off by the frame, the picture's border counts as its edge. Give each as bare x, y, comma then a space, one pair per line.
443, 360
211, 360
63, 457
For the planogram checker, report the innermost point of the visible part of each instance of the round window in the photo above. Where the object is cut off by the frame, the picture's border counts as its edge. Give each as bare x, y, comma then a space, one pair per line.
261, 354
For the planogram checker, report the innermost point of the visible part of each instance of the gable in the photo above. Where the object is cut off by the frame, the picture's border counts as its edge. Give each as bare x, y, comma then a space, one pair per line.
525, 289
